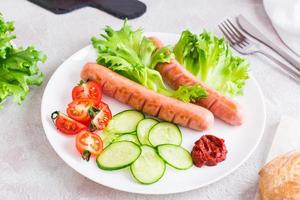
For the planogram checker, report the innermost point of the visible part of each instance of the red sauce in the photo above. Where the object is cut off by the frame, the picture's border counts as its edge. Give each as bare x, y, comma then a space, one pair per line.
209, 150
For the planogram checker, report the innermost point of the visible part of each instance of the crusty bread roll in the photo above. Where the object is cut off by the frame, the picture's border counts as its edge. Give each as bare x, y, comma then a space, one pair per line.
280, 178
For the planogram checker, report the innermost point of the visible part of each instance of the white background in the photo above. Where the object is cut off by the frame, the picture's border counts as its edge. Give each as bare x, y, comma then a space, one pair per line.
29, 167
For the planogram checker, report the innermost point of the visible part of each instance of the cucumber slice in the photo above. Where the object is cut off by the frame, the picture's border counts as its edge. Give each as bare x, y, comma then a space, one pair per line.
165, 133
143, 129
176, 156
128, 137
124, 122
108, 138
149, 167
118, 155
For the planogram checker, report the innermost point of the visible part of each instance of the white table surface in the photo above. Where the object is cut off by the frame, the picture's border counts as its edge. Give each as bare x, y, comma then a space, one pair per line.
29, 167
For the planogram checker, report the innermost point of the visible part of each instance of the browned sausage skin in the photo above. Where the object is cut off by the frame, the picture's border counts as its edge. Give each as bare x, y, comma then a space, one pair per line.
221, 106
147, 101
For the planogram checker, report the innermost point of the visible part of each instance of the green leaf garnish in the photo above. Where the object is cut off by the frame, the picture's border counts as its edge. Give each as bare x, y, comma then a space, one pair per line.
18, 66
210, 59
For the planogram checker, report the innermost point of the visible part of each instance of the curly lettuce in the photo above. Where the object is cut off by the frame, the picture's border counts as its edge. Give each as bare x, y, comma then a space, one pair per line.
129, 53
18, 66
210, 59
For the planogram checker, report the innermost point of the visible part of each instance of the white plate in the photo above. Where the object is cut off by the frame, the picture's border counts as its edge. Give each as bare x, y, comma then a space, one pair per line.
240, 141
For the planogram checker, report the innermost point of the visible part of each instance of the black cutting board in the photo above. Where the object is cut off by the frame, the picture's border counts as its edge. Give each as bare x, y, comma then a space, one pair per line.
119, 8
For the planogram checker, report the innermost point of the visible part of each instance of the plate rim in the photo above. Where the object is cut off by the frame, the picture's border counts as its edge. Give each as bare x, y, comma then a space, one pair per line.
261, 97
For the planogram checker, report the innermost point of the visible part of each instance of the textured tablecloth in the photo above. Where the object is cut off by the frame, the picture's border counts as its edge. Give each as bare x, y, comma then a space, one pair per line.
29, 167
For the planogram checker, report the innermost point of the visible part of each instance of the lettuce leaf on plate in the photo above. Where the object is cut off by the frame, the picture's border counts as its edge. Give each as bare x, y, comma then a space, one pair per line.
18, 66
134, 56
210, 59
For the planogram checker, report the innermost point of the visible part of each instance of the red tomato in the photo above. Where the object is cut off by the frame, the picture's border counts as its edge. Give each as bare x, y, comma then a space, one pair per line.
90, 90
79, 109
88, 144
102, 115
66, 125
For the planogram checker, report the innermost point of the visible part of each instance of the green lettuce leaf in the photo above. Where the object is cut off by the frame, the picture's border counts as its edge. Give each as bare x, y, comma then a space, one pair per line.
18, 66
210, 59
134, 56
6, 29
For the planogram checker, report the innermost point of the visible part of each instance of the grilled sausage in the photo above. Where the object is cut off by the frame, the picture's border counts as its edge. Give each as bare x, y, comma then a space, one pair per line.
148, 101
221, 106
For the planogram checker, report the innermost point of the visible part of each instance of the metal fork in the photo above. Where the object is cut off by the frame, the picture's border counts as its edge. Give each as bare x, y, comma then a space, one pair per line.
243, 45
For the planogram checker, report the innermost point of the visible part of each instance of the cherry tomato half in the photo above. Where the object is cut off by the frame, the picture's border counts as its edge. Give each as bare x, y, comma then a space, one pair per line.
79, 109
102, 116
88, 144
90, 90
66, 125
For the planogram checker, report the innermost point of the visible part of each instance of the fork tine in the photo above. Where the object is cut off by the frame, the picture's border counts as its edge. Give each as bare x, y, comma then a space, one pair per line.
226, 35
229, 32
239, 39
241, 35
236, 29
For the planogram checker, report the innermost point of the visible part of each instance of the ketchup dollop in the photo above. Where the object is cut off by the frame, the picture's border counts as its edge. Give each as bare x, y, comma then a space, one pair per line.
209, 150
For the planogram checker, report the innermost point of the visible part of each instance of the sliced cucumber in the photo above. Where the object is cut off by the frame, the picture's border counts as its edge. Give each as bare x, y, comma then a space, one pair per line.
124, 122
128, 137
176, 156
143, 129
118, 155
165, 133
149, 167
108, 138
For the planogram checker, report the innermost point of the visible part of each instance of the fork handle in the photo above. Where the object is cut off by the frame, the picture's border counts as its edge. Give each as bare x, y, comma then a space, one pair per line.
254, 32
295, 74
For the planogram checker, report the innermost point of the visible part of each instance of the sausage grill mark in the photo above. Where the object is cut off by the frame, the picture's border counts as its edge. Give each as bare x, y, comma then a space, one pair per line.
181, 119
114, 93
188, 122
178, 77
157, 110
169, 68
123, 94
213, 103
136, 100
151, 107
157, 114
129, 98
143, 106
173, 117
186, 80
103, 85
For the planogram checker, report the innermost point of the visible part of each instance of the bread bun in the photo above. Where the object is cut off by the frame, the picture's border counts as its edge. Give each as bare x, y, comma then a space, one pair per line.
280, 178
